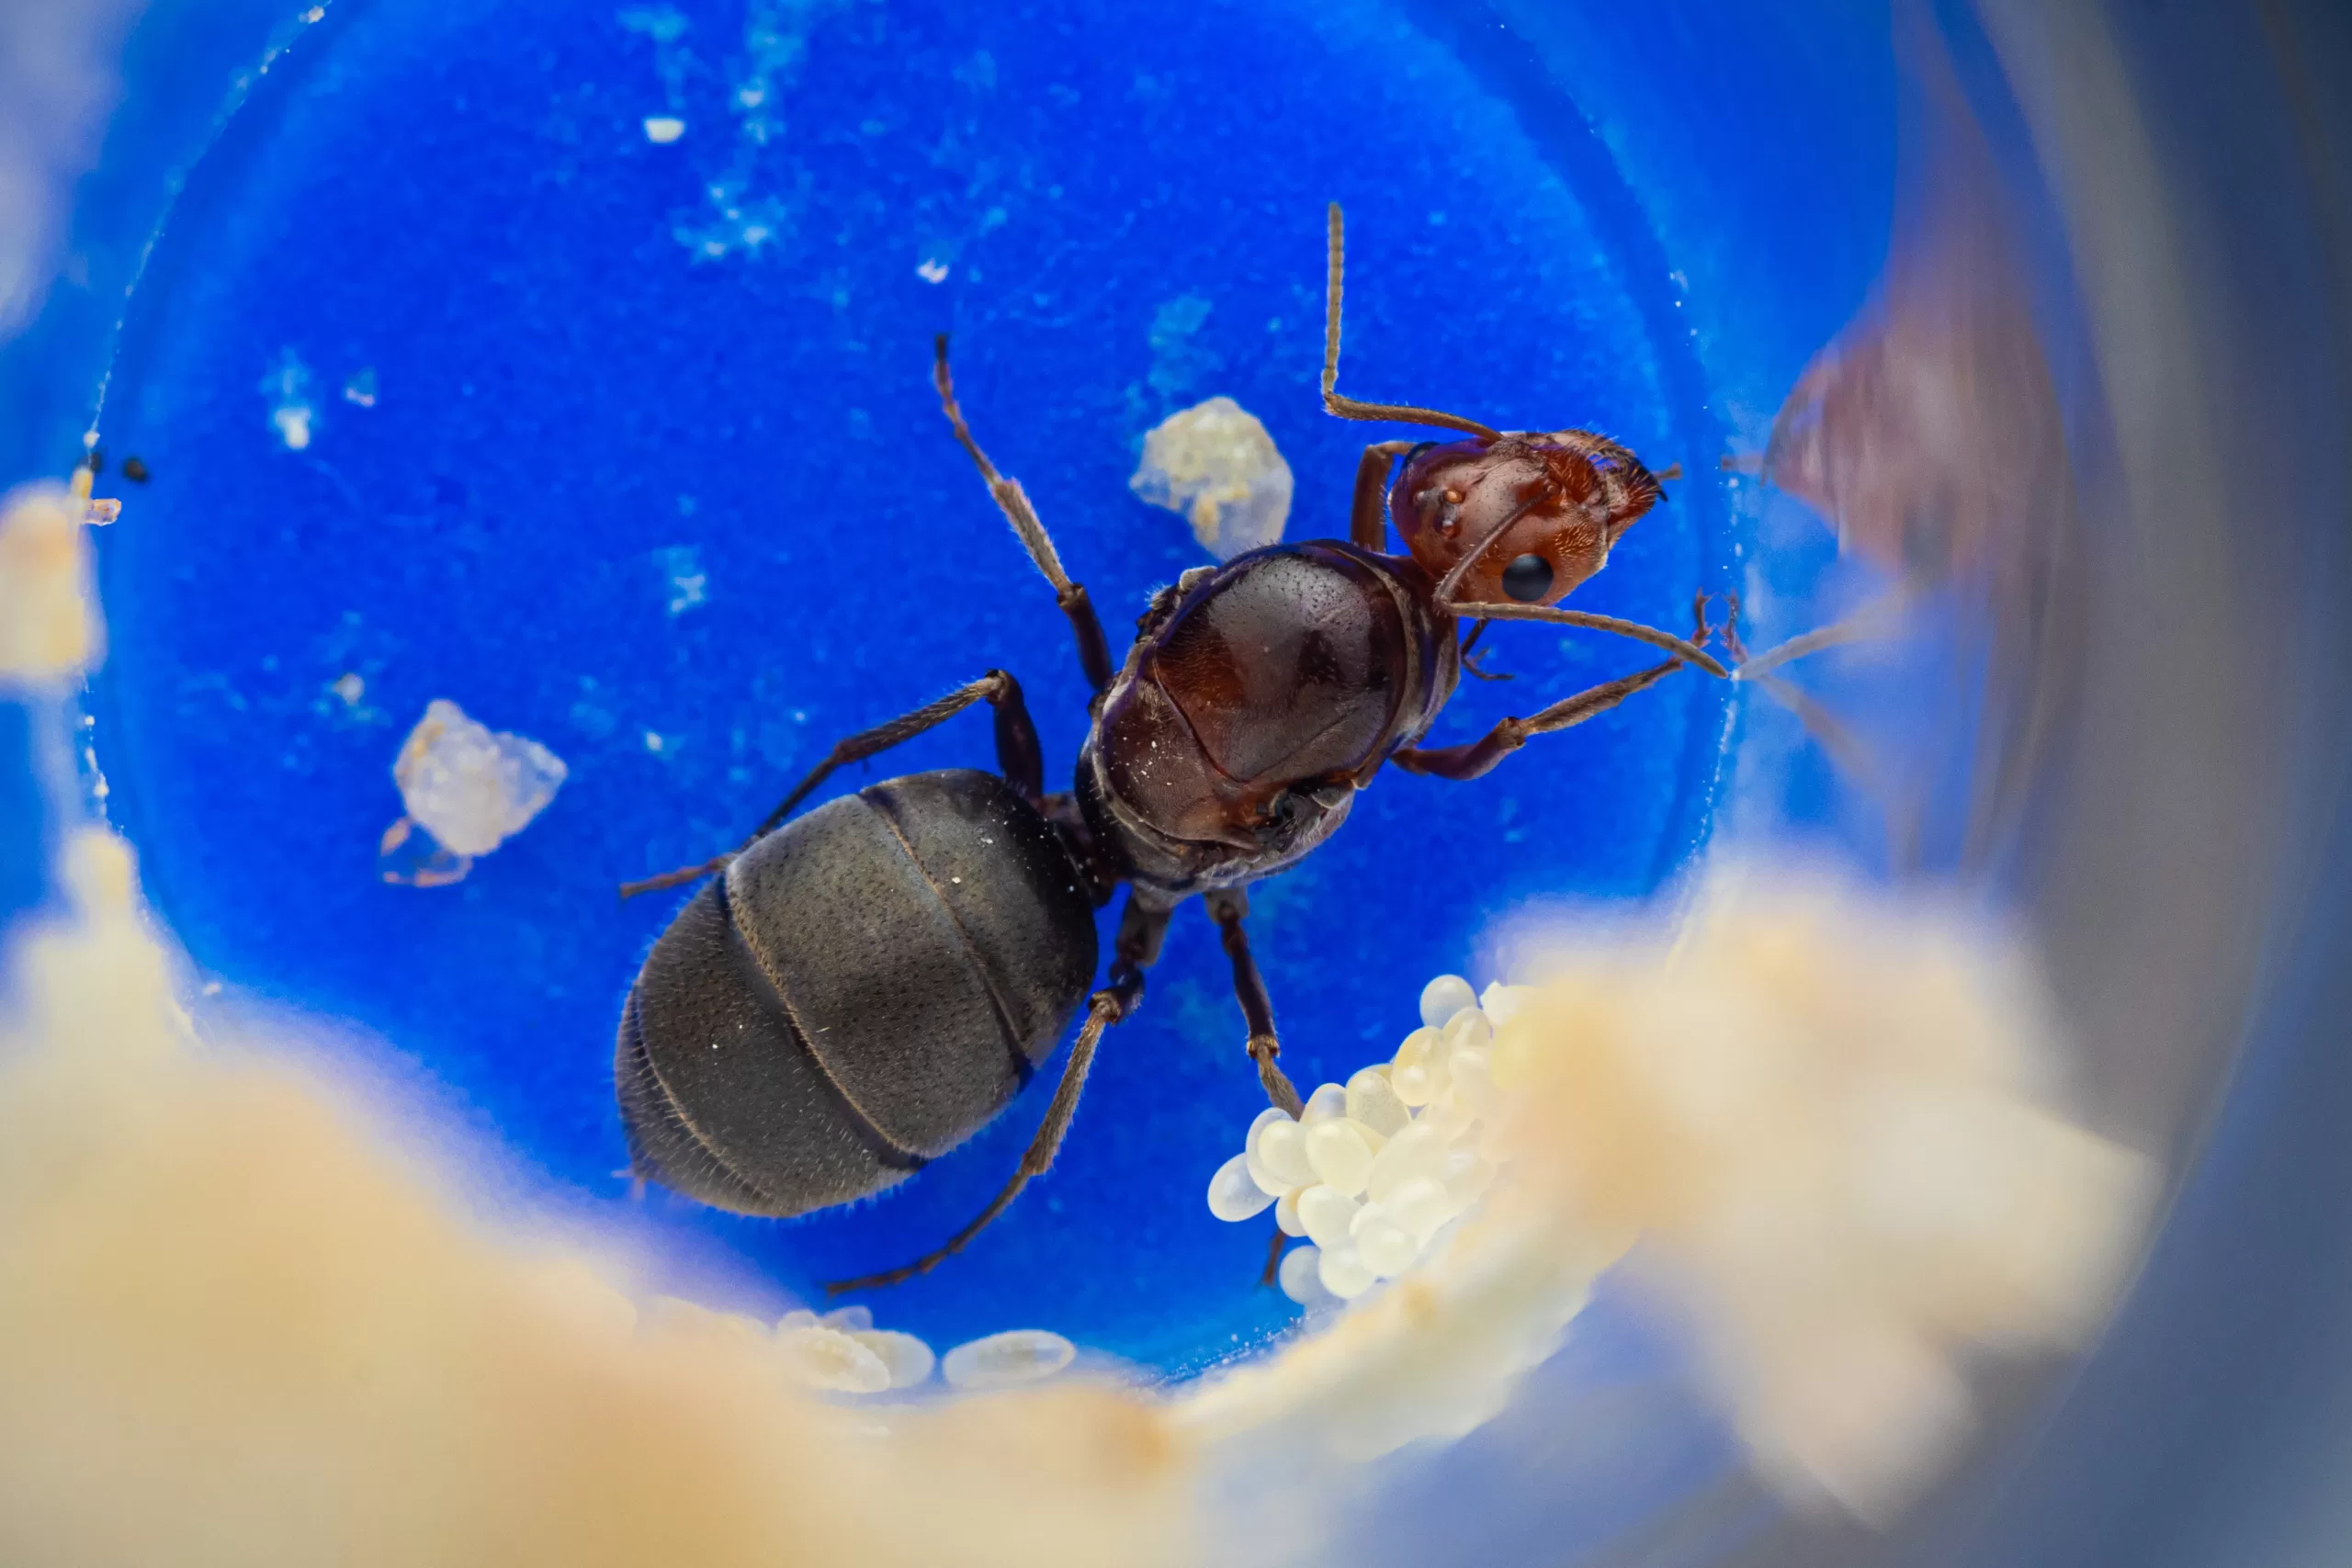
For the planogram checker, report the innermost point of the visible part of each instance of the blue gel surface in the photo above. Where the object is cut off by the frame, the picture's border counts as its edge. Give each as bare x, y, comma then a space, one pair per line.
458, 368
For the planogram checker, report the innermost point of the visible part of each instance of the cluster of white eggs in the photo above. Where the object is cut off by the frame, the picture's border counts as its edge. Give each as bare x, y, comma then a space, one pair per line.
843, 1352
1375, 1169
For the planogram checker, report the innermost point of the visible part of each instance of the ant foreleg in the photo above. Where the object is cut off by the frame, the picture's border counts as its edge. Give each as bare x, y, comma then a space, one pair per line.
1368, 513
1141, 926
1093, 651
1682, 649
1871, 621
1228, 906
1019, 757
1470, 666
1478, 757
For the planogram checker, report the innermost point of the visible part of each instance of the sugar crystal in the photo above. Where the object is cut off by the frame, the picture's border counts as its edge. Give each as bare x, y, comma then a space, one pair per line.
1216, 464
472, 787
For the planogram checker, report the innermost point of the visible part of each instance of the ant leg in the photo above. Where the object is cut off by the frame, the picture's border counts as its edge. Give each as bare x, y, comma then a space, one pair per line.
1682, 647
1470, 666
1348, 408
1107, 1007
1019, 758
1469, 761
1368, 515
1872, 620
1093, 652
1229, 908
1274, 1258
1141, 925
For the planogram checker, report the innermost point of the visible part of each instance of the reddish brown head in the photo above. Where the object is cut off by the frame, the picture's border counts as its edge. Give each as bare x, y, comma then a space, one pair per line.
1536, 515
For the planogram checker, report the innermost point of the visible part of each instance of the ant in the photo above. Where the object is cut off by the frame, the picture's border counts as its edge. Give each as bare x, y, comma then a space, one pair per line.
857, 990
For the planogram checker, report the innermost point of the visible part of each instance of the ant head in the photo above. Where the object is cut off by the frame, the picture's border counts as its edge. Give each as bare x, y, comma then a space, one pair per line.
1534, 514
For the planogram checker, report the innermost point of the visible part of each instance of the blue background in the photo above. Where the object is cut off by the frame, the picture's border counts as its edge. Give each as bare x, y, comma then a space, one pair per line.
603, 366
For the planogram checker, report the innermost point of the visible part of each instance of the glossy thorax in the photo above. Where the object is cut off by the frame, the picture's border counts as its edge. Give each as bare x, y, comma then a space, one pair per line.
1258, 698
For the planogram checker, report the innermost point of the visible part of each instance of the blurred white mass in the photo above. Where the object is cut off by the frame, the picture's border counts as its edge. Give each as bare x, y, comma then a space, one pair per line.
1216, 464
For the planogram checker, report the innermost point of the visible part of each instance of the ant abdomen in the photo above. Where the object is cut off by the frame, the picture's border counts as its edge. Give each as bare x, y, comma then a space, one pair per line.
864, 988
1537, 513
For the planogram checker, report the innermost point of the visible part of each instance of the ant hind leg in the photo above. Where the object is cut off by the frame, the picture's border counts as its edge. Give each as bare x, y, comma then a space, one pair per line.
1019, 758
1141, 925
1107, 1007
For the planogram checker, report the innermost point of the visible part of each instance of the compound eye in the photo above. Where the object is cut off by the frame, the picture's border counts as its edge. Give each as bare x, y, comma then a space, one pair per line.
1528, 578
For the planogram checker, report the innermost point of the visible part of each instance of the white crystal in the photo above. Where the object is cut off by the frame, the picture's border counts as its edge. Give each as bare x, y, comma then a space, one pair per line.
1216, 464
472, 787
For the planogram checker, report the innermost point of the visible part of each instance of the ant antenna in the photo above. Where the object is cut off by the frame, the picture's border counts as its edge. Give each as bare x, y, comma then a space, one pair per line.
1348, 408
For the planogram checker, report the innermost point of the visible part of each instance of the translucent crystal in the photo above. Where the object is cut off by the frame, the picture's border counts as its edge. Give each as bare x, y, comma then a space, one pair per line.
1216, 464
472, 787
1017, 1356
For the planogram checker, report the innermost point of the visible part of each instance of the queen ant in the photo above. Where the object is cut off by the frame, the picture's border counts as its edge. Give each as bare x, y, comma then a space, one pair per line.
857, 990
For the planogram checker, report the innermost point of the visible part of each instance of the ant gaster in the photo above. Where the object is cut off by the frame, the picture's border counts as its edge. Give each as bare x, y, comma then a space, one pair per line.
863, 987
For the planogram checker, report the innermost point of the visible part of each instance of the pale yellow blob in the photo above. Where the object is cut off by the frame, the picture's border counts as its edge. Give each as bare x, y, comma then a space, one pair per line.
1214, 463
237, 1327
47, 630
1831, 1120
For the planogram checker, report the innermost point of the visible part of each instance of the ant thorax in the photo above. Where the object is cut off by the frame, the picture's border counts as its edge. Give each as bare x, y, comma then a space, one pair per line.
1258, 698
1536, 515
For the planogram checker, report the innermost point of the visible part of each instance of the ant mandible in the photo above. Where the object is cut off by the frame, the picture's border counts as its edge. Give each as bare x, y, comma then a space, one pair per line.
860, 988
